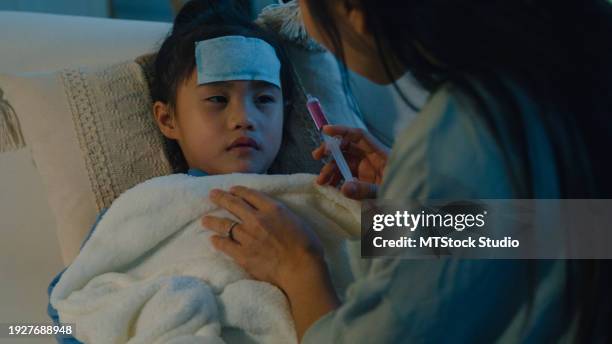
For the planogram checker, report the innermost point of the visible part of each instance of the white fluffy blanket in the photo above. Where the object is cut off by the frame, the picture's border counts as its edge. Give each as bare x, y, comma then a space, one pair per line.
149, 274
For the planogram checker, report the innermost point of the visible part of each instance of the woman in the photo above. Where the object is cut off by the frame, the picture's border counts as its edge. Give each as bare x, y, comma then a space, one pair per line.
519, 109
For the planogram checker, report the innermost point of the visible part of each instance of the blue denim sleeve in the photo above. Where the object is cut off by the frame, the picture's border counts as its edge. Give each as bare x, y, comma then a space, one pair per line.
52, 312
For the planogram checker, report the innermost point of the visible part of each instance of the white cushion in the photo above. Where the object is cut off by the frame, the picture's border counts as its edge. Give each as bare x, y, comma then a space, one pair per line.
33, 42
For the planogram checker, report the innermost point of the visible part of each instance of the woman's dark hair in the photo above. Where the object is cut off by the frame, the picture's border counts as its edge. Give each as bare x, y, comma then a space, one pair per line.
200, 20
558, 52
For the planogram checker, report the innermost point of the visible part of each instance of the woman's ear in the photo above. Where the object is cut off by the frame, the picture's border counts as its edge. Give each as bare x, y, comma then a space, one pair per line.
164, 117
355, 28
356, 19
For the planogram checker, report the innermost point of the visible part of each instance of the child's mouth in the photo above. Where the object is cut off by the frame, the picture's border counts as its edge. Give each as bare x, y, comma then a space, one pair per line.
243, 143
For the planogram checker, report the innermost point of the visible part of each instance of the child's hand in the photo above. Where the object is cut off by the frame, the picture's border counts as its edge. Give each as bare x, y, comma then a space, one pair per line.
366, 157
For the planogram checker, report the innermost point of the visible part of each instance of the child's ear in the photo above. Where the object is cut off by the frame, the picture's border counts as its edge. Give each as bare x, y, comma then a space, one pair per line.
164, 117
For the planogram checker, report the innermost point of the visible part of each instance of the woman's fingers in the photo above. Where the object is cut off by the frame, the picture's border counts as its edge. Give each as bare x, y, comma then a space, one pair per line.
335, 179
355, 141
258, 199
365, 155
216, 224
319, 152
359, 190
322, 151
222, 226
228, 246
232, 203
350, 133
327, 173
362, 139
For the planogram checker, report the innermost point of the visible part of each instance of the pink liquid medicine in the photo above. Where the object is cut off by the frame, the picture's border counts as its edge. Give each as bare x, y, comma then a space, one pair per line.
332, 143
316, 112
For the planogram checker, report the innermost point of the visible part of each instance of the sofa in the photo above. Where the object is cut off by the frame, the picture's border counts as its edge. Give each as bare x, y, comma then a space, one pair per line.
29, 251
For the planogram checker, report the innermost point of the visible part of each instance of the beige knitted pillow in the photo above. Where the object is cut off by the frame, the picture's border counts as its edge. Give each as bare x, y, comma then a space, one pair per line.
92, 137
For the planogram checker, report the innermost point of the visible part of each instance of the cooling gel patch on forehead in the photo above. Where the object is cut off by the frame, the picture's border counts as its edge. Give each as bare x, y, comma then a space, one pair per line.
236, 58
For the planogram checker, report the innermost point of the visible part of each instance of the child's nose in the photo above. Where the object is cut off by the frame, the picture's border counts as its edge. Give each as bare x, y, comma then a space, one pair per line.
241, 116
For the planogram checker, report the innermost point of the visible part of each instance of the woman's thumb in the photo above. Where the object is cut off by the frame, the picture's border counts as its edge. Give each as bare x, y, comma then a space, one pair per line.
359, 190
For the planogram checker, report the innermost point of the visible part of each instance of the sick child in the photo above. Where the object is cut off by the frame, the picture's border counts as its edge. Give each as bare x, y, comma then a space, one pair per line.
220, 91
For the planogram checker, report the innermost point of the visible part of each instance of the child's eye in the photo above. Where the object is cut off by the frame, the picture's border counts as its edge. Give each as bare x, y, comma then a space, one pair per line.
217, 99
265, 99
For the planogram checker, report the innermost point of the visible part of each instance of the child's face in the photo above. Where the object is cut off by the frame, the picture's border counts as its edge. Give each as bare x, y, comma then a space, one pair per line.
225, 127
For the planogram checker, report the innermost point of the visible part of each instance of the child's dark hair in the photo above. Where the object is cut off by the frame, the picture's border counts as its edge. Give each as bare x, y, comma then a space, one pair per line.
200, 20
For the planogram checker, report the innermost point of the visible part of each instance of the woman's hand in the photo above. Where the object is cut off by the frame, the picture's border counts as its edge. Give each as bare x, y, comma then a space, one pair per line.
274, 245
365, 155
270, 243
